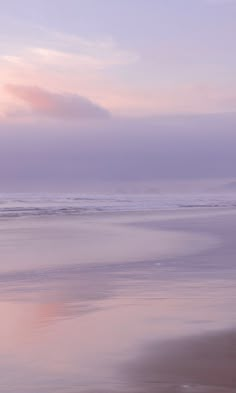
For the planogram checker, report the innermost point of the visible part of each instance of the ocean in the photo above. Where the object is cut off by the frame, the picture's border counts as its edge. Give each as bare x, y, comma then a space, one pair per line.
43, 204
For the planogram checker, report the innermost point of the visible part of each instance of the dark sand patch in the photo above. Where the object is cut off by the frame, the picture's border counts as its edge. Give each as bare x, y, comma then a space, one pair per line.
204, 364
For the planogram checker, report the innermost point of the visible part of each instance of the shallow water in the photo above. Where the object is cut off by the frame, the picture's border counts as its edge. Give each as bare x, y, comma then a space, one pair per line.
81, 297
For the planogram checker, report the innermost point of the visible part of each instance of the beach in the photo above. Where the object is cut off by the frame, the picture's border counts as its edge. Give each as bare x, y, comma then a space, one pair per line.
117, 196
119, 302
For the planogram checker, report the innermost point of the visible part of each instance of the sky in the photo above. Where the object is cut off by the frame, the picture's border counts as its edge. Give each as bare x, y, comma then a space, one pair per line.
119, 91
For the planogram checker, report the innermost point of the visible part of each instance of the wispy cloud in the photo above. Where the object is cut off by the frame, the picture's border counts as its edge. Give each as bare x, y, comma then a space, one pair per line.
55, 105
63, 62
112, 77
59, 48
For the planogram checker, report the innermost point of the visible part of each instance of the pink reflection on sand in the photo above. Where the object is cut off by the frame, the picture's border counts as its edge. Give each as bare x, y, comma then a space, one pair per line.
90, 344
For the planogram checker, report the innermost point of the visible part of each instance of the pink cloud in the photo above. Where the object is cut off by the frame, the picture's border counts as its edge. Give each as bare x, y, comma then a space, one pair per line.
46, 103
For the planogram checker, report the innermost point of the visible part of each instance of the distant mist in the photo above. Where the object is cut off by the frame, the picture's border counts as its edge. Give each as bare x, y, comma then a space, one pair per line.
58, 156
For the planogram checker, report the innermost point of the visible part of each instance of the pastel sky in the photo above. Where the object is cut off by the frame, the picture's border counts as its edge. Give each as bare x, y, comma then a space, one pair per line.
105, 64
131, 57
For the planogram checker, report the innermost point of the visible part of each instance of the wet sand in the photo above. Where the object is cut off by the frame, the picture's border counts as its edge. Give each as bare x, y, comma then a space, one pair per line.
119, 303
205, 363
